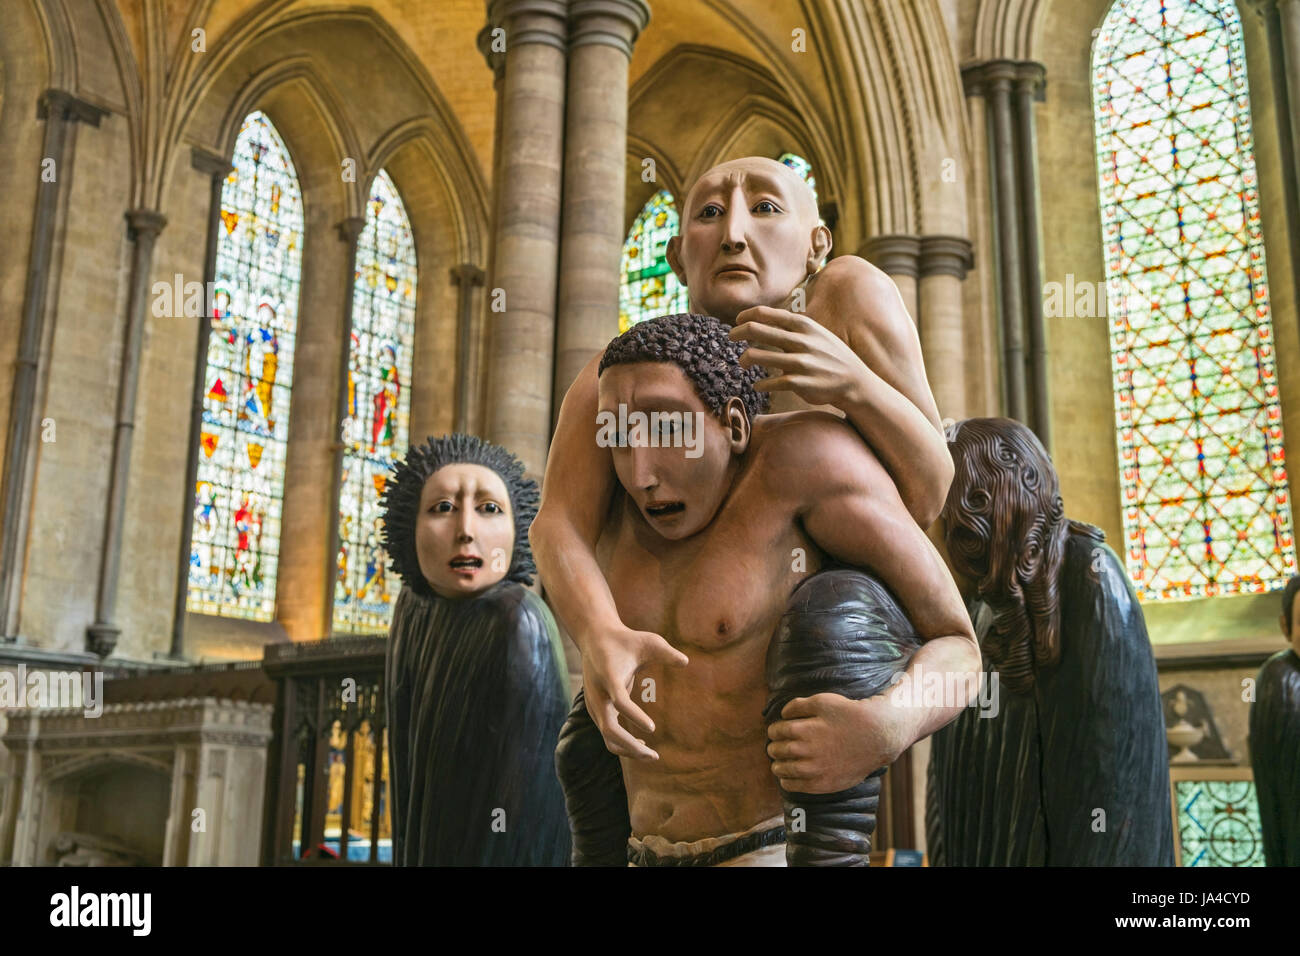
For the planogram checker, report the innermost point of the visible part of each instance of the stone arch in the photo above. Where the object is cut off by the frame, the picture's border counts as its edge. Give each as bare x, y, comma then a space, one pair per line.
89, 763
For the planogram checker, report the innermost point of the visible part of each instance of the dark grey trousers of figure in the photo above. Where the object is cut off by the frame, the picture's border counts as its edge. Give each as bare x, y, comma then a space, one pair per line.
842, 633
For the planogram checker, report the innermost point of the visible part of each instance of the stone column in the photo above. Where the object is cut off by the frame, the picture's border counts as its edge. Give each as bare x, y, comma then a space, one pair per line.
349, 231
601, 35
1009, 89
467, 277
944, 262
1029, 81
143, 227
1282, 25
900, 257
217, 169
60, 110
476, 374
526, 242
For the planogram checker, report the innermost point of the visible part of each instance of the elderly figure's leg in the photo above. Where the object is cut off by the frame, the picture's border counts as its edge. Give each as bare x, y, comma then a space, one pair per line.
594, 795
842, 633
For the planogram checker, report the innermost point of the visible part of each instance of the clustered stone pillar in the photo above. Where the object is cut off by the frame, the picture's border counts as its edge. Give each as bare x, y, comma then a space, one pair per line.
467, 277
1010, 89
1282, 25
601, 34
143, 227
526, 242
217, 169
60, 110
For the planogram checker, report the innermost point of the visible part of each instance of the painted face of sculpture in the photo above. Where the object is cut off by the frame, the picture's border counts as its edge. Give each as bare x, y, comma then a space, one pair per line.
679, 485
465, 532
749, 235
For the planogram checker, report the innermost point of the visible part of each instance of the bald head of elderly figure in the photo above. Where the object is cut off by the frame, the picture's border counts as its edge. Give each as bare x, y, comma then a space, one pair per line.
749, 235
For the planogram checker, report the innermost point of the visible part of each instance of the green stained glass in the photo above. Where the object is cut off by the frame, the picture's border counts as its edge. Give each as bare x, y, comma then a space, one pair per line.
379, 403
1218, 823
1203, 474
648, 286
240, 481
802, 167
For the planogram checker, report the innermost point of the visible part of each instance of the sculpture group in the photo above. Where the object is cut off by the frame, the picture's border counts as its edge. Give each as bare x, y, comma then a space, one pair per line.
750, 589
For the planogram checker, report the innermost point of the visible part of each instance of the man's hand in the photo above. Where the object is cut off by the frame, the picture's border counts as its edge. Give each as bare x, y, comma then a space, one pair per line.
815, 363
610, 661
827, 743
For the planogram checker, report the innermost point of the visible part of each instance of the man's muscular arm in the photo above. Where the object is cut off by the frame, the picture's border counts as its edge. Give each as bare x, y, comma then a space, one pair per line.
856, 348
853, 512
576, 494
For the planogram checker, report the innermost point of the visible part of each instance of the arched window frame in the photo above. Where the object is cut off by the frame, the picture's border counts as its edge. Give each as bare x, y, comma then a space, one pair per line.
384, 289
1186, 506
244, 433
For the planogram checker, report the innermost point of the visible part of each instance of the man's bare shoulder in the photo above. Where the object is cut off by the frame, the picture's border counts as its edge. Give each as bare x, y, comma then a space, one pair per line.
803, 450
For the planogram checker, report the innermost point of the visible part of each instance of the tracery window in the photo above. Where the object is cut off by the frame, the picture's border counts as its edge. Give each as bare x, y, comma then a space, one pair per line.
648, 286
239, 486
1203, 473
379, 402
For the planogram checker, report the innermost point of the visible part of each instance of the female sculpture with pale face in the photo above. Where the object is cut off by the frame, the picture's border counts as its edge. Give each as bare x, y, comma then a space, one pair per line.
475, 680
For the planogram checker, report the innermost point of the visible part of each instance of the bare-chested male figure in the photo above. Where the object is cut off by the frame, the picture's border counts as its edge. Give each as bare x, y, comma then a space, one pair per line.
704, 549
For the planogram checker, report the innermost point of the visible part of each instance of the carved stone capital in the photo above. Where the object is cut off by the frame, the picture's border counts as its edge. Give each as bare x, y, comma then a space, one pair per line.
213, 164
616, 23
350, 228
532, 21
1003, 76
467, 274
60, 104
144, 224
895, 255
946, 255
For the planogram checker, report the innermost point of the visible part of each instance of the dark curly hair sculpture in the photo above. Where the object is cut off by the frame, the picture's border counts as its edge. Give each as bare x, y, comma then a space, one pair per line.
698, 345
1006, 529
401, 501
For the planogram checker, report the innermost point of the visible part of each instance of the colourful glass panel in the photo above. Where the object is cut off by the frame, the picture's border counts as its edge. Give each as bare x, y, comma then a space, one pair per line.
1203, 474
802, 167
240, 481
379, 402
1218, 823
648, 286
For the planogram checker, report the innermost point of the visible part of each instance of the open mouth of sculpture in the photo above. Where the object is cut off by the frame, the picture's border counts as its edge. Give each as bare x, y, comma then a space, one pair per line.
466, 563
666, 509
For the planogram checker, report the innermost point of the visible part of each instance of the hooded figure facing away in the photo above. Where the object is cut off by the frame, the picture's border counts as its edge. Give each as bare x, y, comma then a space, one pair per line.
475, 676
1070, 768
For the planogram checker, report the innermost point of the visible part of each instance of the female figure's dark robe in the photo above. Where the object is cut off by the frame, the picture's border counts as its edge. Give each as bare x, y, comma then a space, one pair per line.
477, 691
1275, 756
1023, 788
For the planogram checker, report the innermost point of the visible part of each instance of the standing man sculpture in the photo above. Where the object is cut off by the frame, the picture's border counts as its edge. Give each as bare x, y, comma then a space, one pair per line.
726, 519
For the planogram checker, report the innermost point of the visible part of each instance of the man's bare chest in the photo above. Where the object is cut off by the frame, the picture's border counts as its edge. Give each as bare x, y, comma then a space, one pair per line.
723, 586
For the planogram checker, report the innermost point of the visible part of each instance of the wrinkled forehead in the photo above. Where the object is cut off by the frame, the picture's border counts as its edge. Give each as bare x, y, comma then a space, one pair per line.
753, 174
458, 477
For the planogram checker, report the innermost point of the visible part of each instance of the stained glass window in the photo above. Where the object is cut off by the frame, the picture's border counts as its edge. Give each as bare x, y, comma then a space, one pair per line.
802, 167
1218, 823
379, 401
240, 481
1204, 481
648, 286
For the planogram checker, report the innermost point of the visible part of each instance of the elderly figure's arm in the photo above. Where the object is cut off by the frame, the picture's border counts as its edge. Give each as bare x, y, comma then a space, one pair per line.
853, 512
576, 494
857, 349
